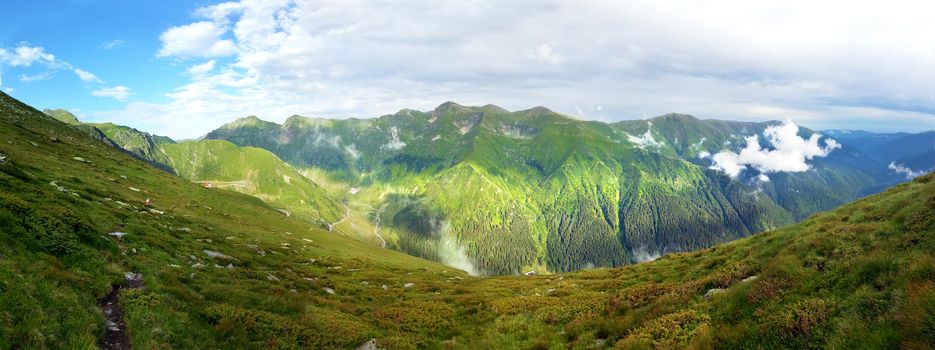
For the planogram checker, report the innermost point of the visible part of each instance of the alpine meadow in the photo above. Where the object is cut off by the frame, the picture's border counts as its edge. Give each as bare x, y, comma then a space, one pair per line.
232, 175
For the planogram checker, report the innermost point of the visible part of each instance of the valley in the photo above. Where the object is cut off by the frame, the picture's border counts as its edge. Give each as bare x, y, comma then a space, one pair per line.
500, 192
223, 269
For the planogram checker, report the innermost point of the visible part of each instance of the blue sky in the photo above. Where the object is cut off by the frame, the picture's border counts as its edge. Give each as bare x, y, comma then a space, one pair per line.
182, 68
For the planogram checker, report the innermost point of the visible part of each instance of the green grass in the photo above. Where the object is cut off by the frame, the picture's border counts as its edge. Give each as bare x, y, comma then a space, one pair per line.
860, 276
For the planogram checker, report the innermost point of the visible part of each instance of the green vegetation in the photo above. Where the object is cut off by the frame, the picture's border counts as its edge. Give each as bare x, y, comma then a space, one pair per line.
254, 171
535, 189
860, 276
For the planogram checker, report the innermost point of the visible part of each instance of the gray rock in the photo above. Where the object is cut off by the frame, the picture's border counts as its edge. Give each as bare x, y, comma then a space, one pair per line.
751, 278
217, 255
409, 285
328, 290
713, 291
118, 234
369, 345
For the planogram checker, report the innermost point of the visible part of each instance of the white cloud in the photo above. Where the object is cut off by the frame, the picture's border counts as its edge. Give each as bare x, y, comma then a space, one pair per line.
119, 93
645, 140
199, 39
787, 152
544, 54
86, 76
201, 69
909, 173
25, 55
35, 77
112, 44
395, 143
726, 59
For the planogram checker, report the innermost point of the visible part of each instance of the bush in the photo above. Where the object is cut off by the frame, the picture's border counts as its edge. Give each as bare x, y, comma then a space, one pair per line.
800, 319
672, 331
917, 316
418, 316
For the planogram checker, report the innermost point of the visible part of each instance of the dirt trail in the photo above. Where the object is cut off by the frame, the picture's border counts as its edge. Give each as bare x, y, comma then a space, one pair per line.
116, 336
347, 214
376, 229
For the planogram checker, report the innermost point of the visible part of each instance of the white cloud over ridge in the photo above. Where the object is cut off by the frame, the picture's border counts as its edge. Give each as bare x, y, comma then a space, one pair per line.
645, 140
735, 60
902, 169
787, 152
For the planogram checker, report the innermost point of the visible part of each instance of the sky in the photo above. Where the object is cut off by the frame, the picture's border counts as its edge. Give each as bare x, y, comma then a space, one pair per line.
183, 68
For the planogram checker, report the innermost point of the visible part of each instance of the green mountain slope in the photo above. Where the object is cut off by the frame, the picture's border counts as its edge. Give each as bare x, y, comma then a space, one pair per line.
536, 189
253, 171
141, 144
215, 163
225, 270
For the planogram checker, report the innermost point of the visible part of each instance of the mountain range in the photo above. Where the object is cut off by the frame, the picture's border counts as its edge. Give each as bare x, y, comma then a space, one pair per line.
498, 192
99, 249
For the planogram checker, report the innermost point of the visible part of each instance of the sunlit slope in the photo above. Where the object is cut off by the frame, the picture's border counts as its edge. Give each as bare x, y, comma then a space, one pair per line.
860, 276
253, 171
63, 192
533, 189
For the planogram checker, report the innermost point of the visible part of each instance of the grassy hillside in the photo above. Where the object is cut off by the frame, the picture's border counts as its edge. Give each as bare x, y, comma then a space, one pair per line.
141, 144
253, 171
224, 270
535, 189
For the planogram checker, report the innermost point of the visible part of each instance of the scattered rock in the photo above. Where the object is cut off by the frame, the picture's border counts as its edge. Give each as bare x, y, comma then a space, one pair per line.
713, 291
118, 234
198, 265
409, 285
530, 273
2, 158
308, 240
550, 291
385, 287
80, 159
369, 345
365, 283
217, 255
230, 266
134, 280
184, 229
123, 177
122, 204
154, 211
328, 290
272, 278
751, 278
134, 189
33, 144
56, 185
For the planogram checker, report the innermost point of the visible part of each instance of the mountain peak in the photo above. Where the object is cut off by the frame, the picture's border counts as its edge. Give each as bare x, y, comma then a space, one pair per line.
536, 111
448, 106
677, 117
245, 121
62, 115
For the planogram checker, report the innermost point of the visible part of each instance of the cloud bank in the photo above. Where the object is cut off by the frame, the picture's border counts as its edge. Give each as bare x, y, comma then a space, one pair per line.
737, 60
901, 169
786, 152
